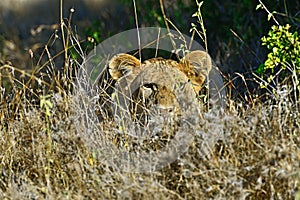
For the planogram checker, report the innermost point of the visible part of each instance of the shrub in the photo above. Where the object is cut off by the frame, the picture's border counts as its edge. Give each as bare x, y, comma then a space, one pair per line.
282, 66
284, 49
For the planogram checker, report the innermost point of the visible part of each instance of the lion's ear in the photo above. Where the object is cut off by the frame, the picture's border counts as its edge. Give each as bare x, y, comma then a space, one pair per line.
122, 64
200, 63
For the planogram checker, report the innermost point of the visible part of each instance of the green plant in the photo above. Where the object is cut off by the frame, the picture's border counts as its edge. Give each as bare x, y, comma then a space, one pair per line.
282, 65
284, 47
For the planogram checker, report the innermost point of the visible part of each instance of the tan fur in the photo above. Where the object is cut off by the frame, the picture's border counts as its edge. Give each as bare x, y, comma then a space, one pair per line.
163, 74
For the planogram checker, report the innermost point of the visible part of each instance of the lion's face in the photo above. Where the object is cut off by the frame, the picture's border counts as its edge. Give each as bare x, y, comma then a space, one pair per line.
158, 84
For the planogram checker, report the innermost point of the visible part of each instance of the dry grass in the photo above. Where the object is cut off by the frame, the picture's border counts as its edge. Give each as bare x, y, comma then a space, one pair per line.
43, 155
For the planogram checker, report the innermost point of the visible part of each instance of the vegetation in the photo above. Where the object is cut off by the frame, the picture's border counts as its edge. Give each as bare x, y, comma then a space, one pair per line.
284, 47
44, 156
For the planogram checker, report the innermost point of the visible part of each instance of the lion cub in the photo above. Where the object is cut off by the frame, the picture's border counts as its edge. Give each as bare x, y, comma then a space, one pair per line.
158, 84
195, 65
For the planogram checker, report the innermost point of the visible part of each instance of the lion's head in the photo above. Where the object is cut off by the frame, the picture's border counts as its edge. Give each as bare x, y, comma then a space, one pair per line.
158, 84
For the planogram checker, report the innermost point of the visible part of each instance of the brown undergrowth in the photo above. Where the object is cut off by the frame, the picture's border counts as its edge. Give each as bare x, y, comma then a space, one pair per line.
43, 154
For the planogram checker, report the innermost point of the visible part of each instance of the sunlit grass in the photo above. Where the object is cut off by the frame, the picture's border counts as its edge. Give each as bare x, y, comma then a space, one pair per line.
43, 155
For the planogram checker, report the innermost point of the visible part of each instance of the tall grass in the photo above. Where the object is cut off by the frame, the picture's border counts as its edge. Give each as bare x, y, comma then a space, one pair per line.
43, 155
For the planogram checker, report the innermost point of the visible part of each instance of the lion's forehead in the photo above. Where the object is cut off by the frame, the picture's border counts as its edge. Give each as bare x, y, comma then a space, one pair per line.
162, 73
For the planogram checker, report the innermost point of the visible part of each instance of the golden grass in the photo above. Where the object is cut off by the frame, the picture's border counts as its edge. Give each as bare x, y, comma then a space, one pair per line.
44, 156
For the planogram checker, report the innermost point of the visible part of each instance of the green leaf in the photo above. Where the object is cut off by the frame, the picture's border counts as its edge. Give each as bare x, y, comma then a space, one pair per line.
261, 69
